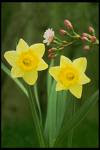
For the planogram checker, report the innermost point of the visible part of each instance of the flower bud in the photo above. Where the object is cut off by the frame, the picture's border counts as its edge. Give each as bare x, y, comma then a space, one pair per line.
84, 34
50, 50
93, 39
83, 38
86, 47
62, 32
68, 24
91, 30
51, 55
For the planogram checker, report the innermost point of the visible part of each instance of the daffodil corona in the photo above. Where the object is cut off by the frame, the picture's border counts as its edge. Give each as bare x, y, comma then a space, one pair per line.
26, 61
70, 75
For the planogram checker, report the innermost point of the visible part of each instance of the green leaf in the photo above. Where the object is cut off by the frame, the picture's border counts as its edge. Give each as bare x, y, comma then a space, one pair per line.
19, 84
50, 125
77, 117
36, 120
61, 107
49, 79
37, 101
55, 111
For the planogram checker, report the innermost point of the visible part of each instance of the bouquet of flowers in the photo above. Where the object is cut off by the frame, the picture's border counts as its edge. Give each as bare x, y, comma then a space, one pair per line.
64, 82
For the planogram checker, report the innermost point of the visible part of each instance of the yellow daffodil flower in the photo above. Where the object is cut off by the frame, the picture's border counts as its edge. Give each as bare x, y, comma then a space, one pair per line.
26, 61
70, 75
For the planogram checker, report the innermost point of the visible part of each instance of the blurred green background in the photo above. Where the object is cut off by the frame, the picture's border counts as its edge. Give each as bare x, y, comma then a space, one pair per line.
29, 21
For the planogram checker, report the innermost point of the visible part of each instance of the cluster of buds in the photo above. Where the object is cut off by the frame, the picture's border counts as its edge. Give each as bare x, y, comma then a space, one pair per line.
89, 39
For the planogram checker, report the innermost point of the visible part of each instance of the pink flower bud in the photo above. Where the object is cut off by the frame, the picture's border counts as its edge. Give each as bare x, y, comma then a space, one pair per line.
68, 24
51, 56
91, 30
93, 39
85, 34
62, 32
50, 50
83, 38
86, 47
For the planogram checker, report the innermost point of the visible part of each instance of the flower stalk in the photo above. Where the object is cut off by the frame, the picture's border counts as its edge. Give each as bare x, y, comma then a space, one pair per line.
37, 123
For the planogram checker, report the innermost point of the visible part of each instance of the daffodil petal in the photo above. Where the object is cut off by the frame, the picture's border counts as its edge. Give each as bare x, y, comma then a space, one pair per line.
16, 72
22, 46
76, 91
80, 64
84, 79
39, 49
42, 65
54, 71
30, 77
11, 57
64, 61
59, 87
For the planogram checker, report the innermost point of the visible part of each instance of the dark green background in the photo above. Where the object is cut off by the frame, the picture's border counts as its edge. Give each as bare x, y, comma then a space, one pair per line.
29, 21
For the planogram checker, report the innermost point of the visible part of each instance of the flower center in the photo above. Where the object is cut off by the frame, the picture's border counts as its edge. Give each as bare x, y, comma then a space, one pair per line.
28, 61
70, 76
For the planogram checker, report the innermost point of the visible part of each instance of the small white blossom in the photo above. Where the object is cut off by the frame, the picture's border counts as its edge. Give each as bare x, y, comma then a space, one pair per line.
49, 36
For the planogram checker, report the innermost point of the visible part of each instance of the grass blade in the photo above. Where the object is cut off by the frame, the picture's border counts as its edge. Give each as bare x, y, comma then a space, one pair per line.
77, 117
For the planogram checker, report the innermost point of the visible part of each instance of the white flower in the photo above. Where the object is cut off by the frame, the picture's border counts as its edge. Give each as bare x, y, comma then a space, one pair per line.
49, 36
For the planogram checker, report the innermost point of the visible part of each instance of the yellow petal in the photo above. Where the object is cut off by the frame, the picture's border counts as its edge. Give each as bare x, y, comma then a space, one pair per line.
84, 79
76, 90
59, 87
64, 61
16, 72
80, 64
22, 46
54, 71
39, 49
30, 77
42, 65
11, 57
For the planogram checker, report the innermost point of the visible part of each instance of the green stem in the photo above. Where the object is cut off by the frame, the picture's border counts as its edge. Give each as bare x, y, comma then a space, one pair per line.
37, 101
58, 39
59, 43
69, 43
70, 137
36, 119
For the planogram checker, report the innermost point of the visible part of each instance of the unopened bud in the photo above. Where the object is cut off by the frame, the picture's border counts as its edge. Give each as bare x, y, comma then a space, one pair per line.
68, 24
91, 30
83, 38
51, 50
51, 55
85, 35
86, 47
93, 39
62, 32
